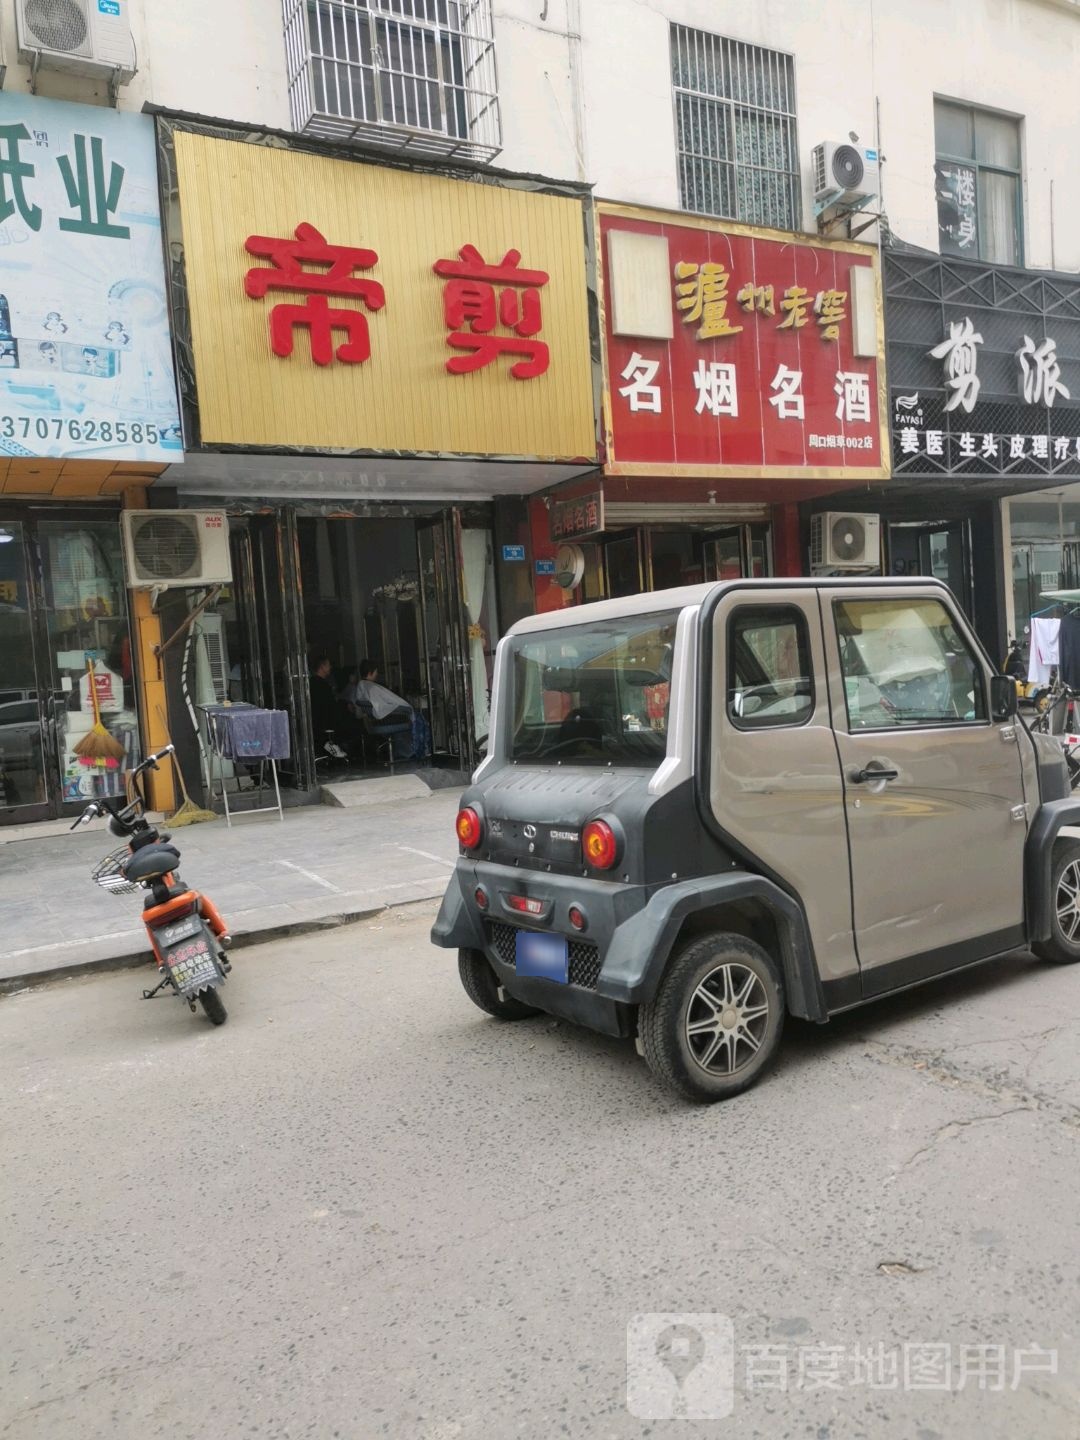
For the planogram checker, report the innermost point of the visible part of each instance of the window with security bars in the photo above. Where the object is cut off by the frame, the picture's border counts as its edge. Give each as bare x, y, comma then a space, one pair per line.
417, 75
736, 131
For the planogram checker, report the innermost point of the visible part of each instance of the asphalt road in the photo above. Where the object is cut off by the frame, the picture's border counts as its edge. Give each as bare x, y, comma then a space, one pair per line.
363, 1209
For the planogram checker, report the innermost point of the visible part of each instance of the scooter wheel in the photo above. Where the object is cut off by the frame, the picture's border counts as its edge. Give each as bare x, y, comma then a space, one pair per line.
214, 1006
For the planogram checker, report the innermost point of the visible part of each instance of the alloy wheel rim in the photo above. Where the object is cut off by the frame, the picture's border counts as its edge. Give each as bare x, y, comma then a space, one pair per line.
728, 1015
1067, 902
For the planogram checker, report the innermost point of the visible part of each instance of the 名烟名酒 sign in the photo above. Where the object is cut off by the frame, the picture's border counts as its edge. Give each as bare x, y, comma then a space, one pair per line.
342, 305
85, 349
754, 358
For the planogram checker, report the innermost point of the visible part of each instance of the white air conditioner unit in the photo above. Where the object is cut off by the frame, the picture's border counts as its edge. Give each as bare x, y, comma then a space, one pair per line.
164, 549
83, 37
844, 174
844, 543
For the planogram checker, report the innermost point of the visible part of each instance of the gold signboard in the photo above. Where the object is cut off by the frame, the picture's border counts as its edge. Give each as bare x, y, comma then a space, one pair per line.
341, 305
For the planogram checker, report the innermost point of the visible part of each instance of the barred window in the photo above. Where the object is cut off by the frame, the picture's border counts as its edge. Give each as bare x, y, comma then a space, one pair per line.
417, 74
736, 132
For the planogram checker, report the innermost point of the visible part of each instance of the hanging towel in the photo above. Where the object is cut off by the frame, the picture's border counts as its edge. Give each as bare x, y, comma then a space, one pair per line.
1044, 649
1070, 651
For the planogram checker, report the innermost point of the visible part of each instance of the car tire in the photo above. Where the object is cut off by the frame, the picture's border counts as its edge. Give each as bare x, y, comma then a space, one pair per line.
1063, 947
716, 1020
482, 987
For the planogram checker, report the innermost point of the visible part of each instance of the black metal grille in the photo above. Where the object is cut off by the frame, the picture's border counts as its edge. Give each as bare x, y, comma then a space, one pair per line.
1029, 445
584, 964
503, 942
584, 968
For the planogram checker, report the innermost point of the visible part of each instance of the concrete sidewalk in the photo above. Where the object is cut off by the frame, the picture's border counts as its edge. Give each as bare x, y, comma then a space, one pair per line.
322, 866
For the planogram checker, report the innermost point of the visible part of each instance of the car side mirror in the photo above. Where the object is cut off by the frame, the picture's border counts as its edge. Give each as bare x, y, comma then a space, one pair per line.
1003, 704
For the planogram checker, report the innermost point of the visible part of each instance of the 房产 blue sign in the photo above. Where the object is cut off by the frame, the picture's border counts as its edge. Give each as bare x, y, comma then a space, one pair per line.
513, 552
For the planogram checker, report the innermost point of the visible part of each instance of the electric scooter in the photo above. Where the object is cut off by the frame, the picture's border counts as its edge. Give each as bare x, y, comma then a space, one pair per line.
187, 934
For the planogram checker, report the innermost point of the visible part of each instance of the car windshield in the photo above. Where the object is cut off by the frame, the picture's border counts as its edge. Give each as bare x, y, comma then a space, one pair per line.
593, 694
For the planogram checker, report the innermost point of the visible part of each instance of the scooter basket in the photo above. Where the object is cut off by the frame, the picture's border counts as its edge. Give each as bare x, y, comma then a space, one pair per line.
107, 873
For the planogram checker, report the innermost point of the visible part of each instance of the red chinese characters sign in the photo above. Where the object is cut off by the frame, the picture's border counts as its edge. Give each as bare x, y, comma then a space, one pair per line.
760, 375
490, 310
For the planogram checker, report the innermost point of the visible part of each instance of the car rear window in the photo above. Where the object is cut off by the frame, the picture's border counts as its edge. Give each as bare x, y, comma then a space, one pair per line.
593, 694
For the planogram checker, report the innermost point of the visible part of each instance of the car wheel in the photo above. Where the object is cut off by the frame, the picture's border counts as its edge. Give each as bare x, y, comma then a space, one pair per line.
1063, 947
482, 987
716, 1020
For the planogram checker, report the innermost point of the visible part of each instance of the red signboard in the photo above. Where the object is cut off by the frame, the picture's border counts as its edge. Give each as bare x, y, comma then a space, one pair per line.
761, 375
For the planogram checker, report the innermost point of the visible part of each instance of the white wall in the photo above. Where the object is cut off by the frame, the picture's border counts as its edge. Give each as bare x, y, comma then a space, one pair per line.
1019, 56
224, 58
586, 86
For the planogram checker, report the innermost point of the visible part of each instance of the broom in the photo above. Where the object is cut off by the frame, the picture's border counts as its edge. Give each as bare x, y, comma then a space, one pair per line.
97, 746
189, 813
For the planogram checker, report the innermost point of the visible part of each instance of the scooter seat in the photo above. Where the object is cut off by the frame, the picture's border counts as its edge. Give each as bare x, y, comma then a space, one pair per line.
151, 862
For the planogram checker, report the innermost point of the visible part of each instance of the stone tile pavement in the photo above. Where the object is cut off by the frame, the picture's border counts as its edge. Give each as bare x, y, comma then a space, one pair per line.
321, 866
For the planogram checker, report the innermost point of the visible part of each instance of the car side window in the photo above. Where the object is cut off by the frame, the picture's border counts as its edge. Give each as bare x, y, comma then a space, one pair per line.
905, 664
769, 676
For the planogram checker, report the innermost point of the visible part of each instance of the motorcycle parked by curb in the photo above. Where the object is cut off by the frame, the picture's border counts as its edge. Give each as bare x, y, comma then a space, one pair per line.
187, 934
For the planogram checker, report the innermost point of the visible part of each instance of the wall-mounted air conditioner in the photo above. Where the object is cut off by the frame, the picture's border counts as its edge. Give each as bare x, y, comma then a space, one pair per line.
844, 174
82, 37
164, 549
844, 543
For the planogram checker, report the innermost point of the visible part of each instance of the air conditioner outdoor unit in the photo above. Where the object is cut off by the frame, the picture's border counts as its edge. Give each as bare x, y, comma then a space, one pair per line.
844, 543
164, 549
844, 174
83, 37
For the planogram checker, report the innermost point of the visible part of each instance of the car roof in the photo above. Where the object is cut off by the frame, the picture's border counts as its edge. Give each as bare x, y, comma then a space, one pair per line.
659, 602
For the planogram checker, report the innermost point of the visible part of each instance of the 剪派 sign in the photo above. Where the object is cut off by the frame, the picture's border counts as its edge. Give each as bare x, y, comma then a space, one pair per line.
757, 371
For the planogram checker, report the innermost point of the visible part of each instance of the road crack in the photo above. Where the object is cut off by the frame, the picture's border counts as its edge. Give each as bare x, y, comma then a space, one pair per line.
952, 1128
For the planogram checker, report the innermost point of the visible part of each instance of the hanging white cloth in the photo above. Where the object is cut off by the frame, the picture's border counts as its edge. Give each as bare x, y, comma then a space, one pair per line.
474, 562
1044, 650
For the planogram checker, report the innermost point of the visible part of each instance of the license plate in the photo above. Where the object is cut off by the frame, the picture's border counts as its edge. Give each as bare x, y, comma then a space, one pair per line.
192, 965
543, 956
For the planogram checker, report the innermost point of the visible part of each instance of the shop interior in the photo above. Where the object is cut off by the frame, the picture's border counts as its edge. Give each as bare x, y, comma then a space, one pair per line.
412, 595
63, 629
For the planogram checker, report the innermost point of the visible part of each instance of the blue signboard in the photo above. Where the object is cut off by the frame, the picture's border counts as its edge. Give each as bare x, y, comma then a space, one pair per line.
85, 350
513, 552
545, 567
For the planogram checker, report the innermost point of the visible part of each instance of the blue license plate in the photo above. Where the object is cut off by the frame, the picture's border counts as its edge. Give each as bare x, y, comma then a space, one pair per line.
545, 956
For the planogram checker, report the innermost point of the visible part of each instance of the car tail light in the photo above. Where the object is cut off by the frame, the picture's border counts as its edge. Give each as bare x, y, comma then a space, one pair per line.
599, 845
577, 918
470, 828
480, 895
524, 905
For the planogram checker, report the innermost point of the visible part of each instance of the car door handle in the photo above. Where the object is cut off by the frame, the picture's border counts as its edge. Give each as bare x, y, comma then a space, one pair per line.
867, 776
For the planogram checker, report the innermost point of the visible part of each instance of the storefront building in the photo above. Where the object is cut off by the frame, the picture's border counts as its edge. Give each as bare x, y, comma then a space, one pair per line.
88, 420
984, 377
373, 351
743, 372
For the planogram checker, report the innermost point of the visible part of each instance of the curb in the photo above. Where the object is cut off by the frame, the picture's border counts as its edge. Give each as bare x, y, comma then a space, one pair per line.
132, 959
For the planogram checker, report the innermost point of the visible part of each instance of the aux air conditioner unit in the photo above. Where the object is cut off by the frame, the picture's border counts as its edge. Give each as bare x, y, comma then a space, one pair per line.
164, 549
844, 543
844, 174
83, 37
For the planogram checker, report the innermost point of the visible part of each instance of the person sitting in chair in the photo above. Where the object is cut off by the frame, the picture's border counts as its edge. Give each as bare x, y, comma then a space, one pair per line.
389, 712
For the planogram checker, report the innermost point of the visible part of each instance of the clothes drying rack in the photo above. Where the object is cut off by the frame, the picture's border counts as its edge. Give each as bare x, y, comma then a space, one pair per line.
245, 734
